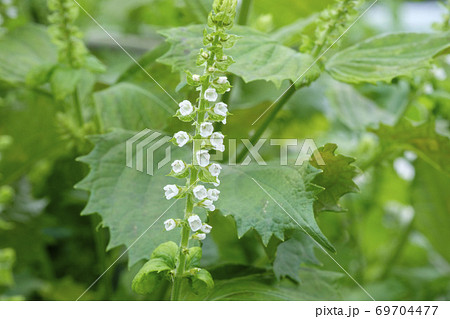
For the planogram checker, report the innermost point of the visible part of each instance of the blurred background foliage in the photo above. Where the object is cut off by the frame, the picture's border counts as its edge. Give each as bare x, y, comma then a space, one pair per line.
393, 236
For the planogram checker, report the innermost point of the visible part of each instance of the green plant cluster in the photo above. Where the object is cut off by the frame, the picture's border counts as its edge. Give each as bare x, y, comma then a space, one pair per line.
65, 34
67, 115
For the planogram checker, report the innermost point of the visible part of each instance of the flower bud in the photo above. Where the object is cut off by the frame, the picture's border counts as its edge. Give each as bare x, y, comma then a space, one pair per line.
206, 228
208, 204
205, 55
199, 236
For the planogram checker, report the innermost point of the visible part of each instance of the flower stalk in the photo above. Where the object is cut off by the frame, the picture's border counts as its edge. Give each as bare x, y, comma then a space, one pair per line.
65, 34
203, 114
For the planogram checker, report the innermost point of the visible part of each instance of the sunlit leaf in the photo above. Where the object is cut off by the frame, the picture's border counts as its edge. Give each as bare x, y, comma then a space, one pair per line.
130, 107
28, 47
257, 56
385, 57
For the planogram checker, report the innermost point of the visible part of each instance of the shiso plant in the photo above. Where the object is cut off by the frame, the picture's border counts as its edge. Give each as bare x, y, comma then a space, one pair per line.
181, 261
231, 215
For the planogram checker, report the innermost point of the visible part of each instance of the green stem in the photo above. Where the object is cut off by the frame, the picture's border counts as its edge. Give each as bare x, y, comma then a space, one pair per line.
281, 102
184, 245
245, 12
67, 33
77, 107
185, 231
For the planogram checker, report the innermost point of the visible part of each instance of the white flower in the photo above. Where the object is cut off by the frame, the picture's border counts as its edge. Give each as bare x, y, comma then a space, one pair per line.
224, 121
171, 191
206, 129
222, 80
170, 224
410, 156
182, 138
209, 205
196, 77
178, 166
199, 236
221, 109
211, 95
217, 183
447, 59
195, 222
213, 194
215, 169
200, 192
205, 55
12, 12
404, 169
211, 69
206, 228
217, 141
186, 108
203, 158
439, 73
428, 88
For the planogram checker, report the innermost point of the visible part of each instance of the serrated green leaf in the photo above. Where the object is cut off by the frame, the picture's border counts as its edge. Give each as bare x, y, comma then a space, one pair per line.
291, 187
385, 57
163, 260
291, 254
316, 285
257, 56
336, 178
128, 106
421, 139
131, 203
28, 46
